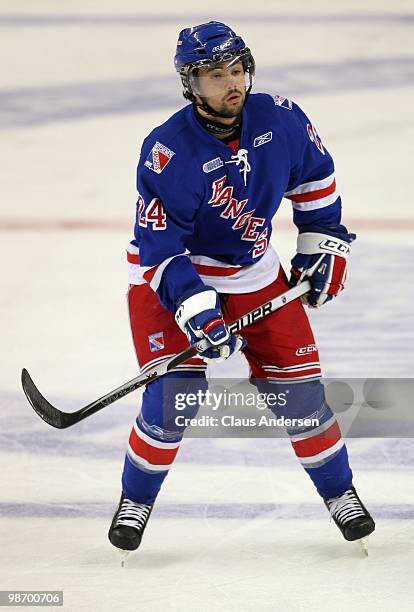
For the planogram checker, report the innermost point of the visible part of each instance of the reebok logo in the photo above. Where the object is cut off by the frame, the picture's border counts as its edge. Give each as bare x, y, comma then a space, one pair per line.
263, 139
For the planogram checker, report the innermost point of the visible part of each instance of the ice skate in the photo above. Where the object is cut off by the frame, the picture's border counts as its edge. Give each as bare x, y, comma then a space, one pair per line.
128, 525
352, 518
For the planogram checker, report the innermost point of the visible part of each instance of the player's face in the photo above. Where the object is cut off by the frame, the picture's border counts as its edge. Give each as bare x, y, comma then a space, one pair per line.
223, 87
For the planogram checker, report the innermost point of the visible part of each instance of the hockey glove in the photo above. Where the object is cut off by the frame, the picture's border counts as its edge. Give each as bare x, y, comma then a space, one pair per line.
199, 316
328, 276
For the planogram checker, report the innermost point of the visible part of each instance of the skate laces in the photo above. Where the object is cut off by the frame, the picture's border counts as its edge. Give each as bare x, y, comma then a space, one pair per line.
132, 514
345, 507
241, 158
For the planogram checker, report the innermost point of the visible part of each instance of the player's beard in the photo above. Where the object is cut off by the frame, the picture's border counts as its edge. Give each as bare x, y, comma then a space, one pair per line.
229, 110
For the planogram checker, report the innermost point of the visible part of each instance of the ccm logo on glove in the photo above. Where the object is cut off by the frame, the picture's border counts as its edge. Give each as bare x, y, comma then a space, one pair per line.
335, 246
327, 277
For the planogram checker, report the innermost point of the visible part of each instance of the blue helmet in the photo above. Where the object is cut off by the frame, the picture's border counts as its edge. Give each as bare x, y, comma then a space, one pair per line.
208, 43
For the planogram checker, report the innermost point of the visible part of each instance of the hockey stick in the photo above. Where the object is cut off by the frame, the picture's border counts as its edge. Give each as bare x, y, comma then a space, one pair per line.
59, 419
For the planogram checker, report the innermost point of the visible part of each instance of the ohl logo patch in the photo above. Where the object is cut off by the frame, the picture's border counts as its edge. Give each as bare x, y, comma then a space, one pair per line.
158, 158
156, 342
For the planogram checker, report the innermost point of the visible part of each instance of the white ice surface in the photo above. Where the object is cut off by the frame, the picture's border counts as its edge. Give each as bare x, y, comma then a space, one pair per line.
237, 525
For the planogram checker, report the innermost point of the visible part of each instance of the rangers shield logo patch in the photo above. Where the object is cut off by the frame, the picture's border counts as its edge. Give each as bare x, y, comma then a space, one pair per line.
156, 342
283, 102
158, 158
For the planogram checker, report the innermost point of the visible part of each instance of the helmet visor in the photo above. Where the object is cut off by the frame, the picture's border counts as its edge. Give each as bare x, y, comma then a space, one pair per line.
220, 77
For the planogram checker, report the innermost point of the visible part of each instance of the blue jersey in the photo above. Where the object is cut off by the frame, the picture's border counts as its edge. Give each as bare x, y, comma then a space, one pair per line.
204, 211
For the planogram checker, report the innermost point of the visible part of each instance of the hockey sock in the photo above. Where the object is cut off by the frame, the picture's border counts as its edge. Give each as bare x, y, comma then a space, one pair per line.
155, 439
319, 447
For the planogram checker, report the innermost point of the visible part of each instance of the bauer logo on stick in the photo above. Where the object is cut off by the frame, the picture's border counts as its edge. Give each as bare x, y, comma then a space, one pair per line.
158, 158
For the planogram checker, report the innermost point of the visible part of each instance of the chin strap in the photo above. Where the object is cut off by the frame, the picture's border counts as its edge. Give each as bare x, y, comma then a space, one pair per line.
218, 128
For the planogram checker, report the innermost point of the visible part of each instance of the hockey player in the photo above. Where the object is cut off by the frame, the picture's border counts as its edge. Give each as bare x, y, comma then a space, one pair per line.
210, 180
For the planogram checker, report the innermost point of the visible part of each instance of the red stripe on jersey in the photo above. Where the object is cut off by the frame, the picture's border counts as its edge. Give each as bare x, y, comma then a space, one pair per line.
149, 275
135, 259
295, 373
200, 268
215, 271
317, 444
313, 195
152, 454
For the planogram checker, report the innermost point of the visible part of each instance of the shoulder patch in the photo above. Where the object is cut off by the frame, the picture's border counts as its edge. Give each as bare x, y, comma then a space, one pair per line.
283, 102
158, 158
314, 137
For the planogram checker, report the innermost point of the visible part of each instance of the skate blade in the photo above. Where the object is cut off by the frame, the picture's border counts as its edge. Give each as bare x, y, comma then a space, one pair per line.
124, 556
363, 545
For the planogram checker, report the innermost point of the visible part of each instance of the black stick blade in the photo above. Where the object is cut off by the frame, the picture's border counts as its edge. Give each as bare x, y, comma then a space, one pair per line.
42, 407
